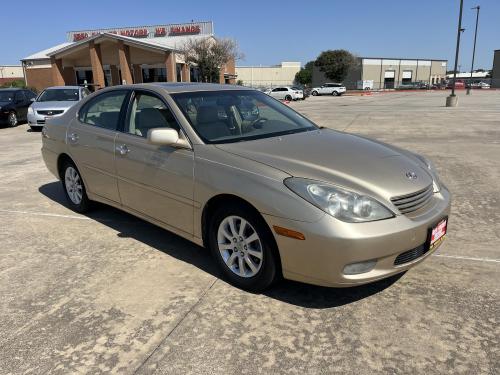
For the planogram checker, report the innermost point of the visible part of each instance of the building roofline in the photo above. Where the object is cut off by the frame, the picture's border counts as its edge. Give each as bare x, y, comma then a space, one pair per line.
129, 40
399, 58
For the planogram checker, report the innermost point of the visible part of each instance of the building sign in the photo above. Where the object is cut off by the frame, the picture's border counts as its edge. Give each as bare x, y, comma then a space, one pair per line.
195, 28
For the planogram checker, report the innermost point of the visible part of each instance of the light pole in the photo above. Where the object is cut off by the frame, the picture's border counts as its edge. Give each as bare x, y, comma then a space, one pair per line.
477, 7
452, 100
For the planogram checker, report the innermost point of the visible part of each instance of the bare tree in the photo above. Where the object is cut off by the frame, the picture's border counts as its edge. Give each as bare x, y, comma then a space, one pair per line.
209, 55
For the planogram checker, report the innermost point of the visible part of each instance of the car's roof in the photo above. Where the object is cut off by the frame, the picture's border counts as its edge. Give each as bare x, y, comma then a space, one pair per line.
12, 89
62, 87
175, 87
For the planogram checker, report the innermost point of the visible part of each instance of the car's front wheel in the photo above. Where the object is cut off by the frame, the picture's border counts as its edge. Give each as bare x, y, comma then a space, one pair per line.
243, 247
74, 188
12, 119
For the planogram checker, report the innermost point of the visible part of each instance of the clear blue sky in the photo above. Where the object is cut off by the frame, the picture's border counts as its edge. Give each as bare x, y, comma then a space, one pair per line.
269, 32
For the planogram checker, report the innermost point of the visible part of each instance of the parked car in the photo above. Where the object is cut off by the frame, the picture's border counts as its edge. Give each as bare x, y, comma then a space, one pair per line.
302, 91
264, 188
285, 93
335, 89
480, 85
458, 84
54, 101
416, 85
14, 103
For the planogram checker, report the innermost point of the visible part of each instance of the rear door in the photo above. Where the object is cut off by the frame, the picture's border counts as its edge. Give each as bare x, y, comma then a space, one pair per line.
91, 142
22, 103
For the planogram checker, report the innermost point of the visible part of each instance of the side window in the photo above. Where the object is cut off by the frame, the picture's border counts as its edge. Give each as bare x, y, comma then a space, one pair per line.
148, 112
276, 90
19, 97
30, 94
104, 110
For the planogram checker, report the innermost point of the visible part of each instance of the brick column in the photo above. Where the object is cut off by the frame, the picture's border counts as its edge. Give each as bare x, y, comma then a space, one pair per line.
137, 74
170, 65
185, 73
57, 72
96, 62
115, 76
231, 69
124, 57
222, 80
69, 75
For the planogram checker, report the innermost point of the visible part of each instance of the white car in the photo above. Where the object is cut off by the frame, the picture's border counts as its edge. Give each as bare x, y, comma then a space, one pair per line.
285, 93
335, 89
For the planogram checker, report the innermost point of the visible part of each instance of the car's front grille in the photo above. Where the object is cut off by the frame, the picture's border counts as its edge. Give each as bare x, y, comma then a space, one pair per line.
410, 255
412, 202
50, 112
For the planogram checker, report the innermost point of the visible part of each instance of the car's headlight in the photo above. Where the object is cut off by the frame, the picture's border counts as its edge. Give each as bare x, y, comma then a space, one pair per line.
432, 170
341, 204
30, 110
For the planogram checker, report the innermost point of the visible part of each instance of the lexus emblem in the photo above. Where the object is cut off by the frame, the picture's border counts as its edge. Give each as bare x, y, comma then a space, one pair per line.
411, 175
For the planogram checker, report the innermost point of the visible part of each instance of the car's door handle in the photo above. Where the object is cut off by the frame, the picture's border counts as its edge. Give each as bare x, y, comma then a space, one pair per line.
122, 149
73, 138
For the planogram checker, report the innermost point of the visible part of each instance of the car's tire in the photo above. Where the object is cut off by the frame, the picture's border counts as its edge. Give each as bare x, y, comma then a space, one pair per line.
74, 188
335, 93
12, 119
35, 128
314, 93
239, 237
288, 98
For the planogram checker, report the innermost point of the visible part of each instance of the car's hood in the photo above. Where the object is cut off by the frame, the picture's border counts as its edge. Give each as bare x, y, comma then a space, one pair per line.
53, 105
343, 159
5, 104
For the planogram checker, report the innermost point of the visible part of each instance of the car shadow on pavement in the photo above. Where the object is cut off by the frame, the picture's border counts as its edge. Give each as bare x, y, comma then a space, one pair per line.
295, 293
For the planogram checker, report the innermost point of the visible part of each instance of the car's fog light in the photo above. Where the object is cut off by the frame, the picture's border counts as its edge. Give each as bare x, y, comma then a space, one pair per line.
360, 267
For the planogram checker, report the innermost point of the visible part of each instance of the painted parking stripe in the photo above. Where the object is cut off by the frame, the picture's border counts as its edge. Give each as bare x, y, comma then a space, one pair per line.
88, 218
467, 258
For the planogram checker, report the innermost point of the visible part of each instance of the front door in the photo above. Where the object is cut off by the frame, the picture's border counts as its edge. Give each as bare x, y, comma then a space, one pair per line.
154, 180
91, 142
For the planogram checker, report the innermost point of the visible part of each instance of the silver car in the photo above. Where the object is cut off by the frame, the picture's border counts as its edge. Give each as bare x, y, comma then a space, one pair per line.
266, 190
54, 101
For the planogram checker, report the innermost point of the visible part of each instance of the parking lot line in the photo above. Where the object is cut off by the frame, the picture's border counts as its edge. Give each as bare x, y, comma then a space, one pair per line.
468, 258
32, 213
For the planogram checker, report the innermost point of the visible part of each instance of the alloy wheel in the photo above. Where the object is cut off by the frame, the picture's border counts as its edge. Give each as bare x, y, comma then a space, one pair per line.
73, 184
240, 246
12, 119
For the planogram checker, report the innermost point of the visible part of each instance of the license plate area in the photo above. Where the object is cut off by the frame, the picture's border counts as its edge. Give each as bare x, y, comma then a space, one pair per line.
437, 233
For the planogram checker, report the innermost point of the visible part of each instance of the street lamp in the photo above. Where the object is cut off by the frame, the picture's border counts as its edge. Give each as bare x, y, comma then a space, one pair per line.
477, 7
452, 100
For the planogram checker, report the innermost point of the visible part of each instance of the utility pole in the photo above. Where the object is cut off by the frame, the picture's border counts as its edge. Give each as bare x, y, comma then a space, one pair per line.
477, 7
452, 100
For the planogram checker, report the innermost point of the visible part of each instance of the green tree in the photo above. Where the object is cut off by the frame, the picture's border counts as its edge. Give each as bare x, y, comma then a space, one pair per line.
209, 54
336, 64
304, 75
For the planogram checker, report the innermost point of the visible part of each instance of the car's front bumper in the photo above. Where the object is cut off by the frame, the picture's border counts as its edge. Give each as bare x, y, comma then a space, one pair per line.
331, 244
36, 120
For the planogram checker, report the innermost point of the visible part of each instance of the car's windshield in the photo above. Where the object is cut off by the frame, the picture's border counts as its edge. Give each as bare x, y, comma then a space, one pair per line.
6, 96
238, 115
58, 95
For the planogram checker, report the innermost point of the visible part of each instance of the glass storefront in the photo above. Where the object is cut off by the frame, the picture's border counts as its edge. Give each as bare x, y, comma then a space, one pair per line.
154, 75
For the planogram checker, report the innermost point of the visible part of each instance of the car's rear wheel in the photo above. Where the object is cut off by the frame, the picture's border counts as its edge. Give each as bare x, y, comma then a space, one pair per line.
74, 188
288, 98
243, 247
314, 93
12, 119
335, 93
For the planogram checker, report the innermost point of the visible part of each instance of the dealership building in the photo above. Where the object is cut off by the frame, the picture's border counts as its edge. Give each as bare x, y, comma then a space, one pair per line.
108, 57
389, 73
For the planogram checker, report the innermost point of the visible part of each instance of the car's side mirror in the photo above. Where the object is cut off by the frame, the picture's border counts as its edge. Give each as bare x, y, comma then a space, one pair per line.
32, 100
166, 137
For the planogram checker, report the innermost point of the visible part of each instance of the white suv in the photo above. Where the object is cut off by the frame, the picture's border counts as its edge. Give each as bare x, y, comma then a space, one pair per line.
335, 89
285, 93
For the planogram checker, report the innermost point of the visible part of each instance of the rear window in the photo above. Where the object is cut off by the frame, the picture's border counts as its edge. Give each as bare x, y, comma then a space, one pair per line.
59, 95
